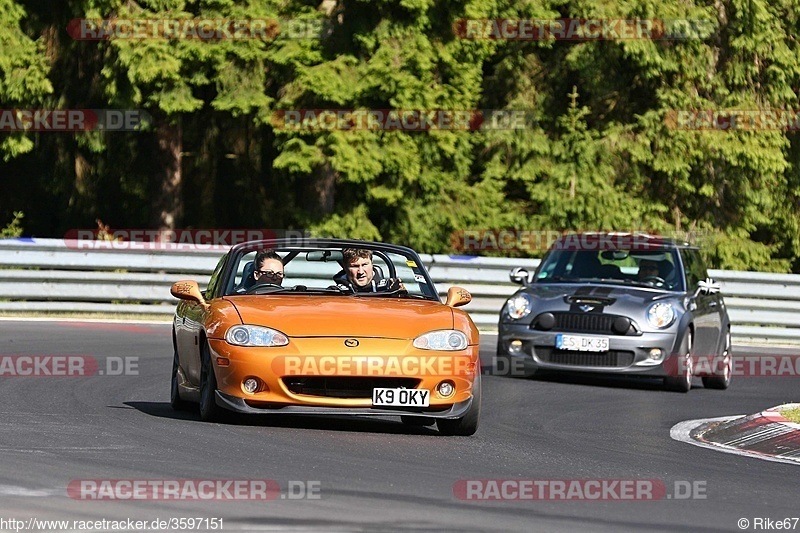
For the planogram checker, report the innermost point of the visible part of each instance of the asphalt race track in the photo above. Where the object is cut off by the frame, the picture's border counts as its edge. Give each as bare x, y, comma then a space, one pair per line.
373, 475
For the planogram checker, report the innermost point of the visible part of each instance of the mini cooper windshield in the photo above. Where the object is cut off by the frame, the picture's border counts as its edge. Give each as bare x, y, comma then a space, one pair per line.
657, 268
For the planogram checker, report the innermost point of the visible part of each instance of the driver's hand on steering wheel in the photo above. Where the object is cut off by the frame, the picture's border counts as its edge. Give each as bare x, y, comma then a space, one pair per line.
394, 284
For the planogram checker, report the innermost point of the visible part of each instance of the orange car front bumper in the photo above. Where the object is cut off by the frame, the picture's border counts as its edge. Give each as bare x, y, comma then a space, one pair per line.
342, 375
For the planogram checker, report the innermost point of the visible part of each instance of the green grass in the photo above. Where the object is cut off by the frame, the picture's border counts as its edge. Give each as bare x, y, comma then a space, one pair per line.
793, 415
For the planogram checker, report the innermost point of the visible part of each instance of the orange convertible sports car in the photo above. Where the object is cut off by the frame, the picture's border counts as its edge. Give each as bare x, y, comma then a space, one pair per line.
326, 326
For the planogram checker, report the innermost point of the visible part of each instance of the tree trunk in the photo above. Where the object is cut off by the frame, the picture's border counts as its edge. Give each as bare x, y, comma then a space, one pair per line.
325, 189
168, 199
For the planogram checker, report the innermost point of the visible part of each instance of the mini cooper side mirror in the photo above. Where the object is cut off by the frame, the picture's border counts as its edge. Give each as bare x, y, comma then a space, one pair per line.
188, 290
519, 276
456, 297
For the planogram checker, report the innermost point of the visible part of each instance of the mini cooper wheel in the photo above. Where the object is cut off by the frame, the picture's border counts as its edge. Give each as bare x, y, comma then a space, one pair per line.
722, 380
175, 400
467, 424
209, 410
682, 380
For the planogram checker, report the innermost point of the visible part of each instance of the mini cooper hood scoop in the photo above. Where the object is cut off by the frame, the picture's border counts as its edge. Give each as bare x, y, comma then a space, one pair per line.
589, 300
599, 295
344, 316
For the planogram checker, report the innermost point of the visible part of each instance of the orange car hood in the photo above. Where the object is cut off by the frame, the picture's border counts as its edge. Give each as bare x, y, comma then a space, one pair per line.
336, 316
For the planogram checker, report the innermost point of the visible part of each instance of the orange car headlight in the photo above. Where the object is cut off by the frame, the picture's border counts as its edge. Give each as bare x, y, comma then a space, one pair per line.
450, 340
247, 335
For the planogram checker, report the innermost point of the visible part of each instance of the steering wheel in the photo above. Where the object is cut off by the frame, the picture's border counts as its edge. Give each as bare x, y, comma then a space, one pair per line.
254, 288
655, 280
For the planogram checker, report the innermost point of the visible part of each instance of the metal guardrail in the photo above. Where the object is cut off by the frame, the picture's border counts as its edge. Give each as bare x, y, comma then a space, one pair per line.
53, 275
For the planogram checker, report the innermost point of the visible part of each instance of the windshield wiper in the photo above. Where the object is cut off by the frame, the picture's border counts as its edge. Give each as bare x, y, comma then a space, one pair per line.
556, 278
571, 279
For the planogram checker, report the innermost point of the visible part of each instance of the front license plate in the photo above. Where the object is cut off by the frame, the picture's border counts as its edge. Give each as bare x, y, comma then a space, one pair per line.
579, 343
401, 397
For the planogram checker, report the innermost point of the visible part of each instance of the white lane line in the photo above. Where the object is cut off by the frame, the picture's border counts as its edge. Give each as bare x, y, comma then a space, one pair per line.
155, 322
681, 432
14, 490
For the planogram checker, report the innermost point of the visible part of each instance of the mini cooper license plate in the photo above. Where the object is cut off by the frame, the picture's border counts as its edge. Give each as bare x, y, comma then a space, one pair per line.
401, 397
580, 343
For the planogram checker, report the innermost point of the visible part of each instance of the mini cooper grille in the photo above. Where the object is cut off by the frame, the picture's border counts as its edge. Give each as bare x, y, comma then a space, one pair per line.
611, 358
584, 322
344, 387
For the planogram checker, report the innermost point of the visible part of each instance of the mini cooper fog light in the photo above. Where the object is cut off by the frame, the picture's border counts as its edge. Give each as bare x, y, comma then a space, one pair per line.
446, 388
655, 354
250, 385
515, 347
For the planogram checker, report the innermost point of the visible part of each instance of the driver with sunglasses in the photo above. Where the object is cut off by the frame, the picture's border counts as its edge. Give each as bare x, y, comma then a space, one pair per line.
268, 268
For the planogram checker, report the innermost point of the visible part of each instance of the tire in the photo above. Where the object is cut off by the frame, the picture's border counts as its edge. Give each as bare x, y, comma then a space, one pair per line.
209, 410
418, 421
722, 382
467, 424
684, 366
175, 400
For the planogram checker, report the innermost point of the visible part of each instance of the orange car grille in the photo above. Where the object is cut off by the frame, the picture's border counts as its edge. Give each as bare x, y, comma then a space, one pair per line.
345, 387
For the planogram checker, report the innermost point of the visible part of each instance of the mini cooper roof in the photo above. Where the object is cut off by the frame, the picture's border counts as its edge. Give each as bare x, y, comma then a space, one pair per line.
624, 239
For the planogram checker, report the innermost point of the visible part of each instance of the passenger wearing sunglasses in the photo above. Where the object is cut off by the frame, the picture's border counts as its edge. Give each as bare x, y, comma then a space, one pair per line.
269, 268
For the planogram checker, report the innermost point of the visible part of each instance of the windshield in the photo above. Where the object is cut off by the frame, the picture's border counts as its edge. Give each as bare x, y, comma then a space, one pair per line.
322, 270
650, 268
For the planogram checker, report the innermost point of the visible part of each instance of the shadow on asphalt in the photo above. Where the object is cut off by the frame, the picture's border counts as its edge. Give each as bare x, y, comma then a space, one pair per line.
593, 380
322, 423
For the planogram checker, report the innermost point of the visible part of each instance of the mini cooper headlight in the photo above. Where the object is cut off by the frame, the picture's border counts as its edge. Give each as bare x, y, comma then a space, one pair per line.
449, 340
255, 336
661, 315
519, 306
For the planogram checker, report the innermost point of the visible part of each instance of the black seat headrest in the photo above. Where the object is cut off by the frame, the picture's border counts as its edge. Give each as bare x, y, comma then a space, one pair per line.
247, 276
